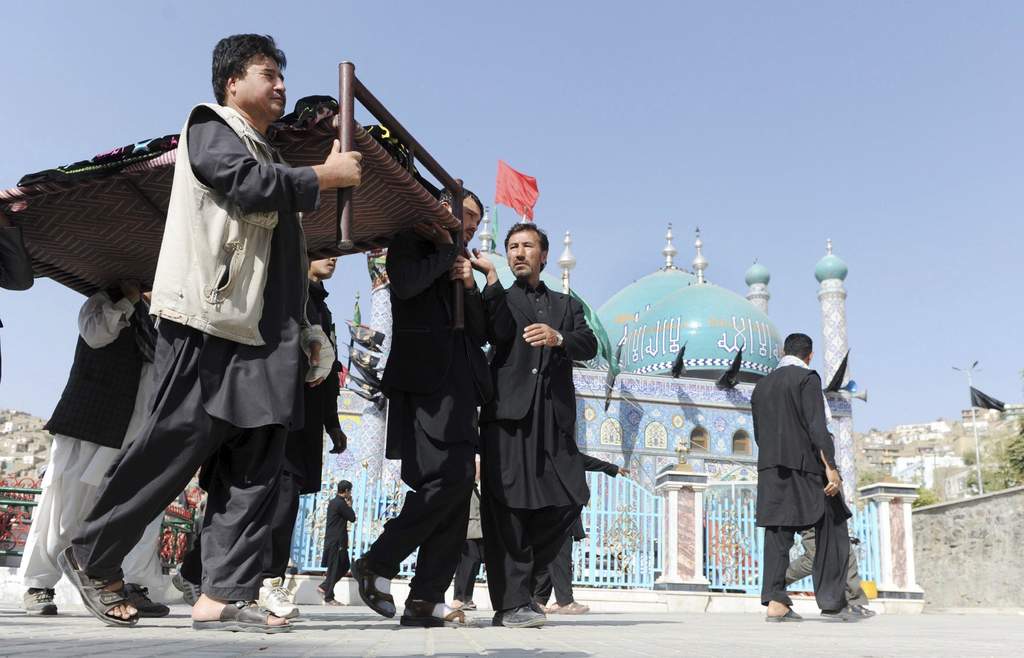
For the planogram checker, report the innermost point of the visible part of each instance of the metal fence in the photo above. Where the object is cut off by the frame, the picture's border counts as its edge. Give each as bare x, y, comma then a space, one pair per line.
734, 545
623, 521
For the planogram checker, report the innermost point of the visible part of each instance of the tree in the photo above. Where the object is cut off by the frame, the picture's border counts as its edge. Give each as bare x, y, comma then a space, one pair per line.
1015, 455
925, 497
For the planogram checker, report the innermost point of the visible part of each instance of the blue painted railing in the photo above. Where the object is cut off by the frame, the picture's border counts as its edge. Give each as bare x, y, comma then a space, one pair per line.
623, 523
734, 545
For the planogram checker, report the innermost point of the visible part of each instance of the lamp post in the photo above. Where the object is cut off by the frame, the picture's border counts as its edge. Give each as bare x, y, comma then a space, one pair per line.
974, 423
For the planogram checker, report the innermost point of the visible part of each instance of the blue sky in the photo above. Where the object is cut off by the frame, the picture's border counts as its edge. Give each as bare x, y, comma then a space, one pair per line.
893, 128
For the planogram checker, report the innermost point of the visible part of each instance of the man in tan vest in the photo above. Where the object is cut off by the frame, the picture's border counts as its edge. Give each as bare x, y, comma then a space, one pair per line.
230, 292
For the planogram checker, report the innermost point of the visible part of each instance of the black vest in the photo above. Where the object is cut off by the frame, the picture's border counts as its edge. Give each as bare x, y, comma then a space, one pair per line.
99, 397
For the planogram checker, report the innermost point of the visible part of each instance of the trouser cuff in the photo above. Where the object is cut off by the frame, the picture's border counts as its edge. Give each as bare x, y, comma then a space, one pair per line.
232, 593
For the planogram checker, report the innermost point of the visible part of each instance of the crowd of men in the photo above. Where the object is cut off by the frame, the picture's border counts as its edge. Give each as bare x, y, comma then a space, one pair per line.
228, 368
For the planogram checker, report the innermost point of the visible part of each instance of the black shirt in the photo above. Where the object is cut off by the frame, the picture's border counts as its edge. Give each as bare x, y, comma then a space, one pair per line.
258, 385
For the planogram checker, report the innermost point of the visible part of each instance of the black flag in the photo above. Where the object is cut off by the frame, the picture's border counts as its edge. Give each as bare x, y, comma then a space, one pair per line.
613, 372
730, 377
365, 336
678, 367
369, 375
979, 399
837, 379
363, 358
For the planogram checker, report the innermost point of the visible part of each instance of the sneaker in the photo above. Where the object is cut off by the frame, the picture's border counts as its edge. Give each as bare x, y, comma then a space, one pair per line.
138, 597
39, 601
190, 592
573, 608
522, 617
862, 611
275, 598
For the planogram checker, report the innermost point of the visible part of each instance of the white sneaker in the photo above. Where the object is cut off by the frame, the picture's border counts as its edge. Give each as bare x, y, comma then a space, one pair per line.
275, 598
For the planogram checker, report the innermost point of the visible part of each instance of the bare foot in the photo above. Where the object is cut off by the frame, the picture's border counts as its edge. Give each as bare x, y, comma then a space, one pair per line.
209, 609
123, 611
776, 609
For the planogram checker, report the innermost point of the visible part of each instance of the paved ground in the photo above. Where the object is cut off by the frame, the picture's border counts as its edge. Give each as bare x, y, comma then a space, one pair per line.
356, 632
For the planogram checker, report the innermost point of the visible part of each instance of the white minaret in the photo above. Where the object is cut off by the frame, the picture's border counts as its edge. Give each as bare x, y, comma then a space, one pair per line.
831, 272
757, 279
669, 252
567, 261
699, 262
486, 236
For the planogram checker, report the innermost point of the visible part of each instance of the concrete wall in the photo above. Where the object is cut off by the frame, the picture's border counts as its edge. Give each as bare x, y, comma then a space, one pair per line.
968, 552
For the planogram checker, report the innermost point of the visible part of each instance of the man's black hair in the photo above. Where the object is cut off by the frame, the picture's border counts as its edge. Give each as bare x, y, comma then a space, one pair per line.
528, 226
445, 196
798, 345
344, 486
232, 55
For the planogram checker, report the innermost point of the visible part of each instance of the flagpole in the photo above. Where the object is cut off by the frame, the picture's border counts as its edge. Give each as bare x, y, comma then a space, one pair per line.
974, 424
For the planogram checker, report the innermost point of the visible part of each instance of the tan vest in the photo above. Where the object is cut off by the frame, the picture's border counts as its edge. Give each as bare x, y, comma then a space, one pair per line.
213, 259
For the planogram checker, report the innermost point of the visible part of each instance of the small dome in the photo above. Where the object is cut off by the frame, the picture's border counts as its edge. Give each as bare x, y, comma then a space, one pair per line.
830, 267
758, 273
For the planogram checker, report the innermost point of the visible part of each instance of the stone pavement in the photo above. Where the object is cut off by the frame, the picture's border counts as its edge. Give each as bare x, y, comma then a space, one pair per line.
352, 631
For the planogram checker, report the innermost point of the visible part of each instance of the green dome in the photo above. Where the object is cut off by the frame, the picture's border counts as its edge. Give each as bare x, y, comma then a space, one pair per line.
758, 273
625, 306
713, 323
830, 267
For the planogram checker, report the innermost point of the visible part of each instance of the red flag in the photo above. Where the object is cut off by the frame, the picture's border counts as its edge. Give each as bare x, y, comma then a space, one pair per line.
516, 190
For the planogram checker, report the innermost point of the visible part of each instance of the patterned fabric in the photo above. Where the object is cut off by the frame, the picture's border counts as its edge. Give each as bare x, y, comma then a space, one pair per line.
92, 223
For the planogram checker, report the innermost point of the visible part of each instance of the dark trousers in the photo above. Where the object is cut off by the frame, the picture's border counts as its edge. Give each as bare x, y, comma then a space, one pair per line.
557, 577
282, 527
518, 541
433, 518
468, 569
804, 566
338, 564
179, 436
830, 561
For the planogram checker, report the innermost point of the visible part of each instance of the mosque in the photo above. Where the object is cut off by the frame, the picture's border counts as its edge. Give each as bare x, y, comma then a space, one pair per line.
643, 417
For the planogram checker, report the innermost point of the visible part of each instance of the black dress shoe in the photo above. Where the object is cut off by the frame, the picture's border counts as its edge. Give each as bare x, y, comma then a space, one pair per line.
522, 617
789, 616
845, 614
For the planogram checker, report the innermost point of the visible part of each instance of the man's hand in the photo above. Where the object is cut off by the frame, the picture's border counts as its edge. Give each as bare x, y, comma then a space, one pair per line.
340, 169
540, 335
339, 440
481, 263
314, 360
835, 481
130, 289
624, 471
462, 270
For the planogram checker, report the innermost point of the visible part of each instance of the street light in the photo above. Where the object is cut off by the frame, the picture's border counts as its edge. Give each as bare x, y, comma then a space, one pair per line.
970, 370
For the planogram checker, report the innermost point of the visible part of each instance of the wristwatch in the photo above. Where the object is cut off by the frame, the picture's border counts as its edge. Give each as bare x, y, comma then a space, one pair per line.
560, 339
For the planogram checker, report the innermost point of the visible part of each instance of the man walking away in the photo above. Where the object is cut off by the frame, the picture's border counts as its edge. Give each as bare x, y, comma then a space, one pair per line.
230, 292
339, 515
798, 485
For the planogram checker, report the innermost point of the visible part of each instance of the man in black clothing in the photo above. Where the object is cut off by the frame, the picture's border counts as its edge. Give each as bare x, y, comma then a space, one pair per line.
435, 379
558, 575
534, 485
303, 453
222, 403
335, 559
472, 554
15, 263
798, 484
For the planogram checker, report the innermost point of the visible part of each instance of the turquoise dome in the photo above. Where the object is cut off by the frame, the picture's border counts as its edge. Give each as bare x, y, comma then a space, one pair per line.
758, 273
625, 306
713, 323
830, 267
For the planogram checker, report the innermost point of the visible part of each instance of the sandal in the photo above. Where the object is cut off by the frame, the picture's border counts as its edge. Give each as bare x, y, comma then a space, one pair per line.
380, 602
421, 614
242, 617
98, 601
